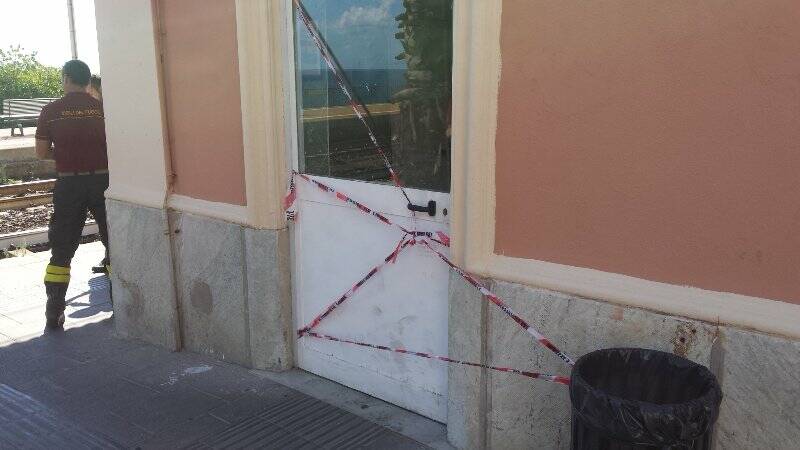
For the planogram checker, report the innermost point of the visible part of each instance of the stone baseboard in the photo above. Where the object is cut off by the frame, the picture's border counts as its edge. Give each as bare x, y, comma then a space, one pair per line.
183, 281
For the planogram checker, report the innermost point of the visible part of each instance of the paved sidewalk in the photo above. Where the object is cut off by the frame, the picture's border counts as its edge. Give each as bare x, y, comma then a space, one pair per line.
83, 388
5, 133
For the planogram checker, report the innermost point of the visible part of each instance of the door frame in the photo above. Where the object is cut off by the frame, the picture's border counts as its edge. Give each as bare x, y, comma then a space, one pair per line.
263, 30
296, 243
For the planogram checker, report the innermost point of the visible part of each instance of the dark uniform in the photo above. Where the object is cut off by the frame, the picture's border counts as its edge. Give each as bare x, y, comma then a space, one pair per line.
74, 124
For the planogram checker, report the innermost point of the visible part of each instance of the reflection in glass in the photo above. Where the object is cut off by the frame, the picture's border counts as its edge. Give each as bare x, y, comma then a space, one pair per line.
397, 55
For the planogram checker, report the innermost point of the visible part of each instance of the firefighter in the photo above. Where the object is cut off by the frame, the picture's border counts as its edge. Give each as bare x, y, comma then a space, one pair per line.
71, 130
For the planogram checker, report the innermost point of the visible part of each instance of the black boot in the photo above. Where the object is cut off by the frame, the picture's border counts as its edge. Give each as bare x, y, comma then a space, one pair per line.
55, 324
56, 303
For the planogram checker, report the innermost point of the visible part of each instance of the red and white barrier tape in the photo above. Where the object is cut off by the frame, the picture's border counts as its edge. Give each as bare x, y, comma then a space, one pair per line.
438, 236
541, 339
525, 373
389, 259
292, 195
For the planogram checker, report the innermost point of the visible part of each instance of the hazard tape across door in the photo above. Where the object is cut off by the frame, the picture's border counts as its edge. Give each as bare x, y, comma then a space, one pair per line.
410, 238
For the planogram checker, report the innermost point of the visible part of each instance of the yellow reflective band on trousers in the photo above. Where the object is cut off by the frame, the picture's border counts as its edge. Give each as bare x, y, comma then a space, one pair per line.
53, 278
57, 270
56, 274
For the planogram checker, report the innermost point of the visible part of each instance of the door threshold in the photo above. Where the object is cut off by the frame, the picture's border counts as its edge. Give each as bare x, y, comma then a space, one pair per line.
402, 421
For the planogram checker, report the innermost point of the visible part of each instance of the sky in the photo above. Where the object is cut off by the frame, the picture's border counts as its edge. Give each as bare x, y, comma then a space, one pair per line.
370, 21
42, 26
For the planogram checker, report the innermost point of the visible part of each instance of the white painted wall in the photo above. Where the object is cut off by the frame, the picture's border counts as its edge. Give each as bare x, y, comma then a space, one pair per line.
132, 101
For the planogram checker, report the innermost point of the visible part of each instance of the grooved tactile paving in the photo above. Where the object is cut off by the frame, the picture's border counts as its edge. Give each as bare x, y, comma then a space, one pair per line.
26, 423
302, 422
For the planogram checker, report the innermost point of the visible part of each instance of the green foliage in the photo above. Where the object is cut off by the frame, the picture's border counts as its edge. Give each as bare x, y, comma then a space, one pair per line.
425, 30
22, 76
426, 34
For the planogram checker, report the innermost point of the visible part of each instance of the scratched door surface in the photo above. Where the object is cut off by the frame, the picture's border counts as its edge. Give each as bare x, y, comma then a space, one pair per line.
397, 57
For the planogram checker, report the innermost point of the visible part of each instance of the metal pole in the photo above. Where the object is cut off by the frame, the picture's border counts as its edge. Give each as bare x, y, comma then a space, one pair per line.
72, 40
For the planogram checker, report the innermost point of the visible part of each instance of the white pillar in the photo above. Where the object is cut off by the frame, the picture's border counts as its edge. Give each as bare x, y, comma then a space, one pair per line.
135, 132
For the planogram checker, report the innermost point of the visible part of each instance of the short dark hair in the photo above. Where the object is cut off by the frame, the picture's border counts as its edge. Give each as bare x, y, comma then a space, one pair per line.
95, 82
77, 71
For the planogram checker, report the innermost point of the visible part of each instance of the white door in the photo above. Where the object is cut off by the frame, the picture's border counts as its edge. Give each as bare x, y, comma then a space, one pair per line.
399, 66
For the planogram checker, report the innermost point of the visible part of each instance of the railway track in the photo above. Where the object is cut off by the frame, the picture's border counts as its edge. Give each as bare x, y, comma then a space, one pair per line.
25, 202
28, 238
25, 195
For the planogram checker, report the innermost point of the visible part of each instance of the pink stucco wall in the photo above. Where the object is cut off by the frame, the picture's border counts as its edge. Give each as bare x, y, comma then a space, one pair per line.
201, 83
654, 139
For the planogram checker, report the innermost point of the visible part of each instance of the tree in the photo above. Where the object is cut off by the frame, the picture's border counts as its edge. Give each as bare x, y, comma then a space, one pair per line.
426, 34
22, 76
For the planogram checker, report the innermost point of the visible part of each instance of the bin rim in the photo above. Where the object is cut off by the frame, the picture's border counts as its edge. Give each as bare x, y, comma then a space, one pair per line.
610, 405
581, 380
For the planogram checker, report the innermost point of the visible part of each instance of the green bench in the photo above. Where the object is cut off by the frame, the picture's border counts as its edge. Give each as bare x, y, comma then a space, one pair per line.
21, 112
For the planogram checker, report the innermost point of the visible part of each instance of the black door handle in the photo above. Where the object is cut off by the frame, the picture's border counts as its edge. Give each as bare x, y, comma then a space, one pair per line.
430, 209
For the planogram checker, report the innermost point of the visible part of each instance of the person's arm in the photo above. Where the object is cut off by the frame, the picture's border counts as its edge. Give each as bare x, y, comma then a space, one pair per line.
44, 142
44, 149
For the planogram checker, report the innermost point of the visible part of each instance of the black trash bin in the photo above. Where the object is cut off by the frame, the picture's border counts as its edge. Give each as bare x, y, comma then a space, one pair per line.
633, 398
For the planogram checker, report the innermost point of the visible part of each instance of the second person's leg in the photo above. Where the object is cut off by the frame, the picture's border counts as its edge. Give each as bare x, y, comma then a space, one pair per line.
97, 187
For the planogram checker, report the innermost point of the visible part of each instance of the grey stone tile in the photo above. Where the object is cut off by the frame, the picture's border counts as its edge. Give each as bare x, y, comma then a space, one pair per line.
182, 434
395, 442
41, 389
401, 421
144, 301
93, 413
211, 287
251, 402
111, 424
115, 395
254, 433
760, 375
100, 347
299, 420
466, 402
143, 355
269, 298
28, 423
90, 380
157, 411
22, 370
188, 370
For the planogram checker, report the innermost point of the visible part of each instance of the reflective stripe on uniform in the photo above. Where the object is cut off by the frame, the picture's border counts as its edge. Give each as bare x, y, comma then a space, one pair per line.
57, 270
54, 278
108, 269
56, 274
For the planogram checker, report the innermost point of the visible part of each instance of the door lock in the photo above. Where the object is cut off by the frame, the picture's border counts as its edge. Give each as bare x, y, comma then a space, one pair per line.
430, 209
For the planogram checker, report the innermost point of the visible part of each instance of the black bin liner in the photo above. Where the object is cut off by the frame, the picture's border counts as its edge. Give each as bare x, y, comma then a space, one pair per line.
633, 398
